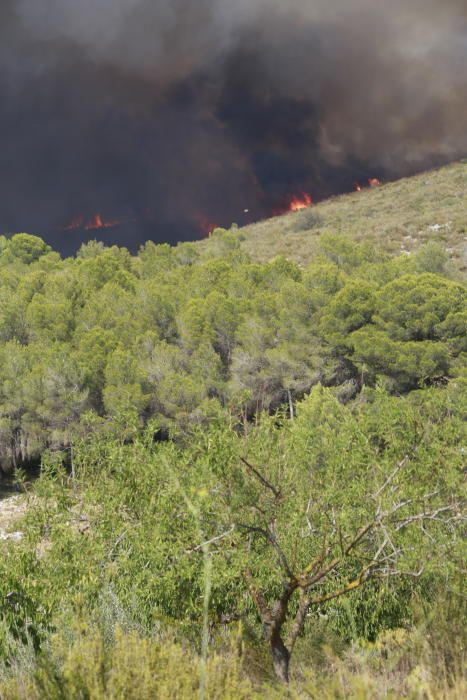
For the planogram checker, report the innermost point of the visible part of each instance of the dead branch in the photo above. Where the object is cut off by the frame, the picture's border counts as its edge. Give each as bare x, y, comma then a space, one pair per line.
392, 476
208, 542
426, 515
398, 572
400, 465
315, 578
269, 537
261, 478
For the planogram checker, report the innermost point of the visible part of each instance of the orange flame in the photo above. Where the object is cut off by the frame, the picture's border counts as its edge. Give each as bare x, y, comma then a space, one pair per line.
358, 187
374, 182
94, 223
294, 202
98, 222
298, 202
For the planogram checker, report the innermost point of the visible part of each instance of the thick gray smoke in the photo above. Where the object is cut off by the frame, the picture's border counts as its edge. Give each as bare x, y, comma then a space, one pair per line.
168, 113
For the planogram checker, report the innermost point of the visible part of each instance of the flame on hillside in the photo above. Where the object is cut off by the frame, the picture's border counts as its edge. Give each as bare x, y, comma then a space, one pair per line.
291, 203
294, 202
372, 182
96, 222
301, 201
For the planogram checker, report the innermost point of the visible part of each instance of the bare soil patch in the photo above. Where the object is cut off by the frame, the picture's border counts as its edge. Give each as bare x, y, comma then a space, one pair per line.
12, 508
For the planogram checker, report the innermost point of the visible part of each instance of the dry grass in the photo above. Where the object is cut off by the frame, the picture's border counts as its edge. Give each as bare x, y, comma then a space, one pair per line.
79, 664
399, 216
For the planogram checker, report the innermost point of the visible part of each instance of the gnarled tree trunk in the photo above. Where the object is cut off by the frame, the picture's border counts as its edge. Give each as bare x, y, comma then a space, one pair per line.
280, 657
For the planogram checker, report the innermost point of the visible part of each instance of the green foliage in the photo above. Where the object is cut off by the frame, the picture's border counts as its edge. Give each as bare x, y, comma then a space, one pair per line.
25, 248
125, 540
348, 256
412, 329
352, 308
166, 333
123, 390
273, 445
419, 307
127, 667
307, 220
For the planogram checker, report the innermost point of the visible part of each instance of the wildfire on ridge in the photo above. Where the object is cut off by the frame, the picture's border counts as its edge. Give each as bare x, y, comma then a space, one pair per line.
94, 223
301, 201
98, 222
372, 182
294, 202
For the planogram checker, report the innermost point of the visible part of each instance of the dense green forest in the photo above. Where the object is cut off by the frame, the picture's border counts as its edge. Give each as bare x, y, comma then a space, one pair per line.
172, 334
252, 473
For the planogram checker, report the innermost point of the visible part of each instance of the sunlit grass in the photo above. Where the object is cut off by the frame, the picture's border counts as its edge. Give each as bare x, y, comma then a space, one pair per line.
399, 216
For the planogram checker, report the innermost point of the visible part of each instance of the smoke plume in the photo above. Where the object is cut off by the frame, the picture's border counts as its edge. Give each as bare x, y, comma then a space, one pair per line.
169, 116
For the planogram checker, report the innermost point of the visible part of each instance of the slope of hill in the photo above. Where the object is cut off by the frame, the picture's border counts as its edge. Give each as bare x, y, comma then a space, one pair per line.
399, 216
264, 456
108, 332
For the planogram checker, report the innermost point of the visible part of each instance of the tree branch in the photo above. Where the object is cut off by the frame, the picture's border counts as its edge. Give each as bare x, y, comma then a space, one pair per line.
351, 586
261, 478
400, 465
426, 515
213, 539
259, 599
392, 475
299, 621
269, 537
315, 578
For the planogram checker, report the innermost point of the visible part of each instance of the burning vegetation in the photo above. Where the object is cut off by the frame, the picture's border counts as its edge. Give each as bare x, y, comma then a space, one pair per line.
205, 224
294, 202
215, 106
94, 223
302, 201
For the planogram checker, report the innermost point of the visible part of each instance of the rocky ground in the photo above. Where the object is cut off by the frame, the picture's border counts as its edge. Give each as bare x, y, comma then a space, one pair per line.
12, 507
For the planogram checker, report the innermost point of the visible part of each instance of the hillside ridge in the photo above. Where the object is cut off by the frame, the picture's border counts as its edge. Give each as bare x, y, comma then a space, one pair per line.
398, 216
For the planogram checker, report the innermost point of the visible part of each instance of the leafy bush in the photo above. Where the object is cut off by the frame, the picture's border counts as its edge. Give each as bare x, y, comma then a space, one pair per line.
306, 220
85, 666
165, 334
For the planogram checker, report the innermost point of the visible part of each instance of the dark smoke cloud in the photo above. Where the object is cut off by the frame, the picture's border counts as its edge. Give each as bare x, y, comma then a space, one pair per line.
167, 114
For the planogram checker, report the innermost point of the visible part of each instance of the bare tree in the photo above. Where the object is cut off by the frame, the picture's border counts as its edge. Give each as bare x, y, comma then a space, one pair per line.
374, 550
